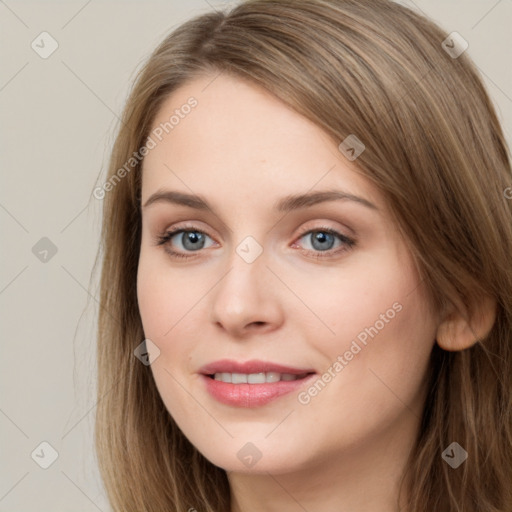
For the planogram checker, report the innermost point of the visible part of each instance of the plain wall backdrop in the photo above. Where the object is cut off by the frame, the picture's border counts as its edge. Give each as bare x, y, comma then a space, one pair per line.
58, 119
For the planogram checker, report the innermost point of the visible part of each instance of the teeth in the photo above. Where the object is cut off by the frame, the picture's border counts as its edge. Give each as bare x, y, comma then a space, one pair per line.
273, 377
255, 378
238, 378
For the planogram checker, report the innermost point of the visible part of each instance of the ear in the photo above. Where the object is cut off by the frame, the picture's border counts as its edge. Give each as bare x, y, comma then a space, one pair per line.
461, 329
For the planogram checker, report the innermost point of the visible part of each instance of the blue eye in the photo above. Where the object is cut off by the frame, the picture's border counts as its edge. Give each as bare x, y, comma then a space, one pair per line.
191, 239
322, 242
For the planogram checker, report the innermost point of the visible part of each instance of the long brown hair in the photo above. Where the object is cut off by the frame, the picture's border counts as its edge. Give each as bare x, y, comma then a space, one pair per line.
434, 148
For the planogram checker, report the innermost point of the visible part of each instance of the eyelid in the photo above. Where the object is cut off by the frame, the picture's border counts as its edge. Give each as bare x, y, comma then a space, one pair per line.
168, 233
347, 241
322, 227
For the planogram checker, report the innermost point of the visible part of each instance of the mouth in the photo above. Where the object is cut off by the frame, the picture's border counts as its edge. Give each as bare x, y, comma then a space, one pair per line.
252, 368
253, 383
257, 378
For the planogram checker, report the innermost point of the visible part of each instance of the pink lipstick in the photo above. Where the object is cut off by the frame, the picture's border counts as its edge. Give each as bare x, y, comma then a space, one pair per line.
253, 383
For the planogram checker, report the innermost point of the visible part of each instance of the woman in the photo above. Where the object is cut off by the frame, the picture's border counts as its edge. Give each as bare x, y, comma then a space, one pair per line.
306, 286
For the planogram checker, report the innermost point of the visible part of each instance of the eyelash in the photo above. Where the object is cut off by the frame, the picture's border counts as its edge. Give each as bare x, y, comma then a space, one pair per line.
349, 243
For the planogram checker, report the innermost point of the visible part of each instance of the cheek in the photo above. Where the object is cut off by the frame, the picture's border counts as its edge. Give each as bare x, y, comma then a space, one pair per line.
384, 337
165, 302
154, 302
383, 330
351, 300
165, 295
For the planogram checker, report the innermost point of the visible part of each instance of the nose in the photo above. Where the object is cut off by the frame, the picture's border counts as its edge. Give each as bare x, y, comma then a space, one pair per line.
246, 300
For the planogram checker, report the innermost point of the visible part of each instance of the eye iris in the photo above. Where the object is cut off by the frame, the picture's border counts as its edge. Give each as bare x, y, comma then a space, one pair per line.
192, 237
322, 237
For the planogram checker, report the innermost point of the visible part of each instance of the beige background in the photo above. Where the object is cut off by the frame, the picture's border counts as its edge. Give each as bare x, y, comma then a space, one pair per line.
58, 119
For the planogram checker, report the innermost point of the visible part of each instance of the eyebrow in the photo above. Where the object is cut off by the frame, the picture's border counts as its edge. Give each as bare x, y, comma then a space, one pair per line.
285, 204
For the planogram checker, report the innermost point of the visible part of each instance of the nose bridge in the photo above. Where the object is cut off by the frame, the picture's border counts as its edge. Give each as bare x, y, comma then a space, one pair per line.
245, 295
240, 288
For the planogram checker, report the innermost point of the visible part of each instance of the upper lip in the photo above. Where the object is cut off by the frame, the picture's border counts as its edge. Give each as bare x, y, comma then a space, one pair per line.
253, 366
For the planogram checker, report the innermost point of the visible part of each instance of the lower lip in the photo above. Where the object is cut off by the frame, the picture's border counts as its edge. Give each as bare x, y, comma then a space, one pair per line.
251, 395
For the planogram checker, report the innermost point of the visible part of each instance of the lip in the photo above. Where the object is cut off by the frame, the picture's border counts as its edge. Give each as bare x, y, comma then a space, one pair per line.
252, 366
251, 395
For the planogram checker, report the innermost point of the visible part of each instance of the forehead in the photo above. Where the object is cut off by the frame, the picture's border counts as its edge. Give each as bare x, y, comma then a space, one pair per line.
240, 137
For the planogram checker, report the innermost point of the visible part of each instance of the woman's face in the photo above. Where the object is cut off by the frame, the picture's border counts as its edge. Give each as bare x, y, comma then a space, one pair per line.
322, 287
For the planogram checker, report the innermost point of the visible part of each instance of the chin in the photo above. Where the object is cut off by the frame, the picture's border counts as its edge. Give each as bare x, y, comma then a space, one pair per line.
254, 458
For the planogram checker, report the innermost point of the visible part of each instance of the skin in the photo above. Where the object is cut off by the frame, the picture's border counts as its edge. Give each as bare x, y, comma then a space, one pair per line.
242, 150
